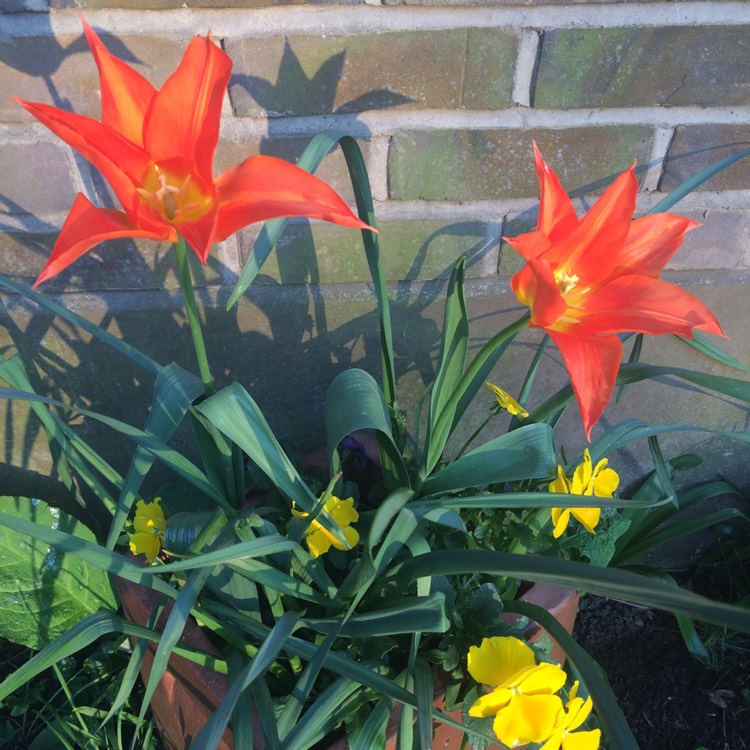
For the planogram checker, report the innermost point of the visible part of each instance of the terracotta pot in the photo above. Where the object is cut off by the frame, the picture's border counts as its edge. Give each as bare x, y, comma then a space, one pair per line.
188, 693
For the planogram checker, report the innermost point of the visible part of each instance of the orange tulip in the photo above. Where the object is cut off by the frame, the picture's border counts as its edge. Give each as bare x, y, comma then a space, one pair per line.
586, 280
156, 148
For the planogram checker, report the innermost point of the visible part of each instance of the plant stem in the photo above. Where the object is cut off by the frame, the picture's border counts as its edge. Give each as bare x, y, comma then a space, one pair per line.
473, 435
191, 308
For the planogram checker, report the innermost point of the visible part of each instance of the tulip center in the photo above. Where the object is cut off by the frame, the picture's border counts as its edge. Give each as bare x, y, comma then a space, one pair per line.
566, 282
176, 198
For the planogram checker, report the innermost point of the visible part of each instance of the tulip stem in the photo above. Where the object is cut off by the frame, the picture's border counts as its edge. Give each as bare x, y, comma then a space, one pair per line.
191, 309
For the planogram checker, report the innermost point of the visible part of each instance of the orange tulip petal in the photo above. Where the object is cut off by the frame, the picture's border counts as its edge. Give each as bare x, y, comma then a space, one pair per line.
557, 217
594, 247
535, 285
531, 245
121, 162
185, 113
126, 94
592, 363
652, 241
87, 226
644, 305
263, 187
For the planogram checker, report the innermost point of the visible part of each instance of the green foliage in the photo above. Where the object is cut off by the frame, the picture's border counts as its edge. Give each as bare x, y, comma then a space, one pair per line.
44, 590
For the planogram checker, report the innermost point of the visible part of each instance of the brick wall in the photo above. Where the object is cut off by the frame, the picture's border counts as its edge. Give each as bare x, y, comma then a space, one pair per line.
445, 98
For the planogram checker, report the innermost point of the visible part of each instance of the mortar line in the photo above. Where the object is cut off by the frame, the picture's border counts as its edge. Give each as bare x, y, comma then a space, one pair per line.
659, 150
368, 19
529, 42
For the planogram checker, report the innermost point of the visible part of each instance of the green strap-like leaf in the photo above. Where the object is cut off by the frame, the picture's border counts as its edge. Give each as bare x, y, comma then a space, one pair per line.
463, 394
525, 453
175, 390
233, 411
80, 322
167, 455
616, 729
696, 180
211, 733
311, 158
454, 345
618, 584
355, 402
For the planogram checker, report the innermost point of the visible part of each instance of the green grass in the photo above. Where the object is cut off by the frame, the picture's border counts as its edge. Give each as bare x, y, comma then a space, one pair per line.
64, 706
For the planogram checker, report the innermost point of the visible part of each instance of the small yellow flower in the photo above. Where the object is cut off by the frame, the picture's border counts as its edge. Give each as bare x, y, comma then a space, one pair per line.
523, 700
319, 541
564, 735
507, 402
149, 526
588, 479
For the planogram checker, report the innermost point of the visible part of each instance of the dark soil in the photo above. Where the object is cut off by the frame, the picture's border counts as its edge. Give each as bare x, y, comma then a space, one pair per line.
671, 700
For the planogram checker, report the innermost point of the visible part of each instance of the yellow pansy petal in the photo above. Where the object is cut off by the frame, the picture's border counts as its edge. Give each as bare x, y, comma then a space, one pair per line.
588, 517
560, 484
319, 541
491, 703
560, 518
605, 482
544, 678
580, 485
527, 718
582, 740
498, 659
342, 511
578, 712
145, 544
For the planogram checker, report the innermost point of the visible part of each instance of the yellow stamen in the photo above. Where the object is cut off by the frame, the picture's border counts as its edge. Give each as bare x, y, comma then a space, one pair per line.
566, 281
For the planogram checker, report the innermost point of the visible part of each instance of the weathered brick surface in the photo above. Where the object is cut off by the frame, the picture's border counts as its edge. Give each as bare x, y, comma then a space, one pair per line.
35, 178
436, 103
313, 75
410, 250
62, 71
696, 147
708, 66
488, 164
115, 265
332, 170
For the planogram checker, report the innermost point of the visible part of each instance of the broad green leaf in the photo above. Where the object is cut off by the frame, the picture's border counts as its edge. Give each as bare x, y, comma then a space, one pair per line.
89, 552
420, 614
355, 402
233, 411
44, 590
619, 584
525, 453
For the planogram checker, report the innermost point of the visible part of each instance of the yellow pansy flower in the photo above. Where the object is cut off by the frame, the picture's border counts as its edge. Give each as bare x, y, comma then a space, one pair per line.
507, 402
523, 700
587, 479
318, 539
149, 526
564, 735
